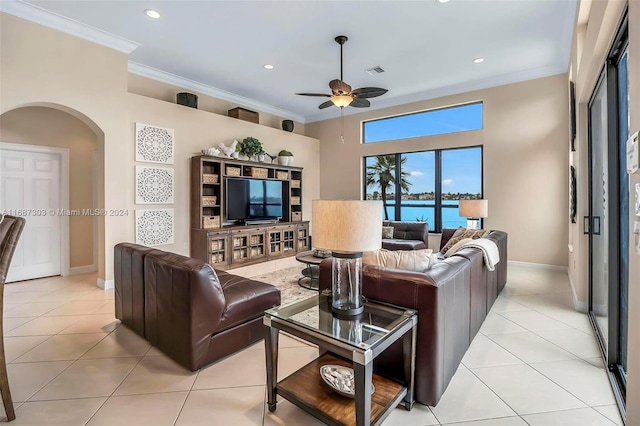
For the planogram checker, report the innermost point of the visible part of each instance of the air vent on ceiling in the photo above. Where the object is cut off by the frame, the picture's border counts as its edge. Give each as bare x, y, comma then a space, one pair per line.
375, 70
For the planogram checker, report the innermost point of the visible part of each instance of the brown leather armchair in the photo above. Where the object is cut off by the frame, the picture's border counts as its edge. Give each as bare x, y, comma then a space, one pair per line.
10, 229
193, 314
452, 298
407, 236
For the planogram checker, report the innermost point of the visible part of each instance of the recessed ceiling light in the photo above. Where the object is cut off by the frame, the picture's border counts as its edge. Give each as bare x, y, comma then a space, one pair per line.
443, 1
152, 13
478, 60
268, 66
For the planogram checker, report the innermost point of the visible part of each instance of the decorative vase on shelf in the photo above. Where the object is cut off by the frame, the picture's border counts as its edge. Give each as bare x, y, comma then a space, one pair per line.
260, 158
287, 125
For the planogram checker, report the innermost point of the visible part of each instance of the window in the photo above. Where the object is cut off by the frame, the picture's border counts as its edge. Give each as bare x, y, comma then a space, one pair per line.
427, 123
430, 186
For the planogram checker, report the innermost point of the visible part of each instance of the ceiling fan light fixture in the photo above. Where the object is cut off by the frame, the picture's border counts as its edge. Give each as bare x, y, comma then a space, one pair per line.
341, 100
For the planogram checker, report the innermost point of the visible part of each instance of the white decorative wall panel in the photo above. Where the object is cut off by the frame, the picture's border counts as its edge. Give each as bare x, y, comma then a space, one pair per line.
154, 185
154, 227
154, 144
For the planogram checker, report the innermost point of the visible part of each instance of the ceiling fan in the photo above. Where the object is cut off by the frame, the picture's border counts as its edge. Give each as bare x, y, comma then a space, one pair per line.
341, 93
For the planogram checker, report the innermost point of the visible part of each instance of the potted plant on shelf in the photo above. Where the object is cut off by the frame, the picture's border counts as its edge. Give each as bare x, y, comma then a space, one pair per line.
285, 158
251, 147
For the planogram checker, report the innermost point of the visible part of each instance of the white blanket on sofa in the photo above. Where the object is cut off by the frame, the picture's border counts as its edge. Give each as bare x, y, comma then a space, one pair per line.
489, 251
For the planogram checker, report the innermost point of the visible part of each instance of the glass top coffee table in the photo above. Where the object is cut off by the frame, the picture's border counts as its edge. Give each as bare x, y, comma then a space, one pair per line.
351, 343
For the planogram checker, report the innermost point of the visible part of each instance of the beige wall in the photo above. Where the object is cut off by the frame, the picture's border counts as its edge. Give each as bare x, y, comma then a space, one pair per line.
167, 92
196, 129
592, 41
525, 140
50, 127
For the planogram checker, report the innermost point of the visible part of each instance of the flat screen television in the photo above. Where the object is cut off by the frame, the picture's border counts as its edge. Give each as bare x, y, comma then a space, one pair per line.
248, 199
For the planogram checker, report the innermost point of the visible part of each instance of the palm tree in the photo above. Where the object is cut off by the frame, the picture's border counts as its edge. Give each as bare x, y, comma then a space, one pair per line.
383, 174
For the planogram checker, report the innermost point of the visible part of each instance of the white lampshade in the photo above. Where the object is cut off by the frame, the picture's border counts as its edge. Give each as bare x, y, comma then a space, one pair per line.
347, 225
474, 208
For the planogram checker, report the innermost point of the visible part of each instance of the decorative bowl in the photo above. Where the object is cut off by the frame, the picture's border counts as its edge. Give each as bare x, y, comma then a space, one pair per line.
213, 152
340, 379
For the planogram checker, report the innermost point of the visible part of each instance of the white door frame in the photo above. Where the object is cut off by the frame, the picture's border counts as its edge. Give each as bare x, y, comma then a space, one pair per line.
63, 154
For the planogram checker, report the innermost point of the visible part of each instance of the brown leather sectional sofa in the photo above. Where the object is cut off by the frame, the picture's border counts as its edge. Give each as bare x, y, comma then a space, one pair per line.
407, 236
452, 299
181, 306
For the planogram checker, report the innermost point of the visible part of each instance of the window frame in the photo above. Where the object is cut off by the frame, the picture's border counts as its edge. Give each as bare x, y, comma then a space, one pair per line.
364, 122
436, 227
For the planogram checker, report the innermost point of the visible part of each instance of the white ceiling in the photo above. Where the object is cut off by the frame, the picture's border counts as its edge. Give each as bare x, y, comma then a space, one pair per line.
425, 47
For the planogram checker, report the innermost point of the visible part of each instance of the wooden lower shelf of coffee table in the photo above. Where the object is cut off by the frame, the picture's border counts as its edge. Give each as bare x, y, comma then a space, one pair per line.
307, 390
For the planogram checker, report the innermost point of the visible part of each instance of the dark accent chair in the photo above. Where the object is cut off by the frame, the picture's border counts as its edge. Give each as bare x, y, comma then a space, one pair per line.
407, 236
452, 298
10, 229
193, 314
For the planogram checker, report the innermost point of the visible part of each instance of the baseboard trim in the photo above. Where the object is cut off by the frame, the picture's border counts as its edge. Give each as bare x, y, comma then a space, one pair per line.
78, 270
577, 304
539, 266
105, 284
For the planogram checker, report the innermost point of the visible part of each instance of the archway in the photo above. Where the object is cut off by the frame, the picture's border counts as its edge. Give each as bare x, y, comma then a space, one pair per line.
52, 127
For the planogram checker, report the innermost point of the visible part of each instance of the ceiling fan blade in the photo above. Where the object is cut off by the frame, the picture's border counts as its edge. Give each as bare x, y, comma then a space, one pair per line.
369, 92
339, 87
314, 94
360, 103
325, 105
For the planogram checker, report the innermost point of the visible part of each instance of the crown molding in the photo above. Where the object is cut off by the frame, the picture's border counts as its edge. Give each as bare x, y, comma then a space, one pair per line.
456, 89
49, 19
185, 83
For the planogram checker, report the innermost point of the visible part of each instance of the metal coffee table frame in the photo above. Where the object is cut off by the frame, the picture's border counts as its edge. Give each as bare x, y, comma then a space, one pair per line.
361, 355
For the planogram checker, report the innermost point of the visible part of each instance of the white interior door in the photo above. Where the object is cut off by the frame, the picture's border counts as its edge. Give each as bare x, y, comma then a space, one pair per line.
30, 187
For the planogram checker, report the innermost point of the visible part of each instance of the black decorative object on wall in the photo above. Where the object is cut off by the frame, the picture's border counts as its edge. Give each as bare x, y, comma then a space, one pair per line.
287, 125
573, 194
187, 99
572, 114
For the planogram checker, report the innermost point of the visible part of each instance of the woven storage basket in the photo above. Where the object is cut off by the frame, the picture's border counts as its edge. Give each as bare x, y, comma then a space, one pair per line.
209, 178
295, 183
209, 200
216, 245
295, 200
216, 258
296, 216
282, 175
258, 172
211, 222
233, 171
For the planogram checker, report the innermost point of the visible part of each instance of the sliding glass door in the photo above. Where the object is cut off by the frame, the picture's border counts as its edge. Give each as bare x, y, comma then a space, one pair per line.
598, 237
608, 224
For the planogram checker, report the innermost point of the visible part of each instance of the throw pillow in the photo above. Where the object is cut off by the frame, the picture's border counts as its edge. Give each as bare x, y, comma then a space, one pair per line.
387, 232
408, 260
468, 233
457, 246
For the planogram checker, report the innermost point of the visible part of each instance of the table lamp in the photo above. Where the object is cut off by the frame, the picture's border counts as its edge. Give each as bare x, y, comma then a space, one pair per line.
473, 210
347, 228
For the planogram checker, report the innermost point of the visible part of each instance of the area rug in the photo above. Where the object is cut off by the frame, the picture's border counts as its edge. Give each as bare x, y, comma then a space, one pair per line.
287, 281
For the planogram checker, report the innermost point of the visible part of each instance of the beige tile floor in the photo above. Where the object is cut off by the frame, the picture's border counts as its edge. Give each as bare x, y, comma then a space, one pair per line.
534, 362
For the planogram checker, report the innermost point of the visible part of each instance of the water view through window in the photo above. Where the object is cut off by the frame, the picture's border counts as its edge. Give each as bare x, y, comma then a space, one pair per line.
431, 184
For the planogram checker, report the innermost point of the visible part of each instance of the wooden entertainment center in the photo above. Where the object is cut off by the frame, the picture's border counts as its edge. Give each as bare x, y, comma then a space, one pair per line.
227, 246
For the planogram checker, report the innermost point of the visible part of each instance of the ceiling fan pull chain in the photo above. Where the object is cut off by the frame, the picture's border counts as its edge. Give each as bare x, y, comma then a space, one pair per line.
342, 123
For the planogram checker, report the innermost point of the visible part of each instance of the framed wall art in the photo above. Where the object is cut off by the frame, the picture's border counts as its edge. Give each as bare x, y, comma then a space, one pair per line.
154, 144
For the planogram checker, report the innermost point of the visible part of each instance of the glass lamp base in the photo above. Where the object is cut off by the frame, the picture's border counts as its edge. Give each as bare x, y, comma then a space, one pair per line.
473, 223
347, 285
347, 312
